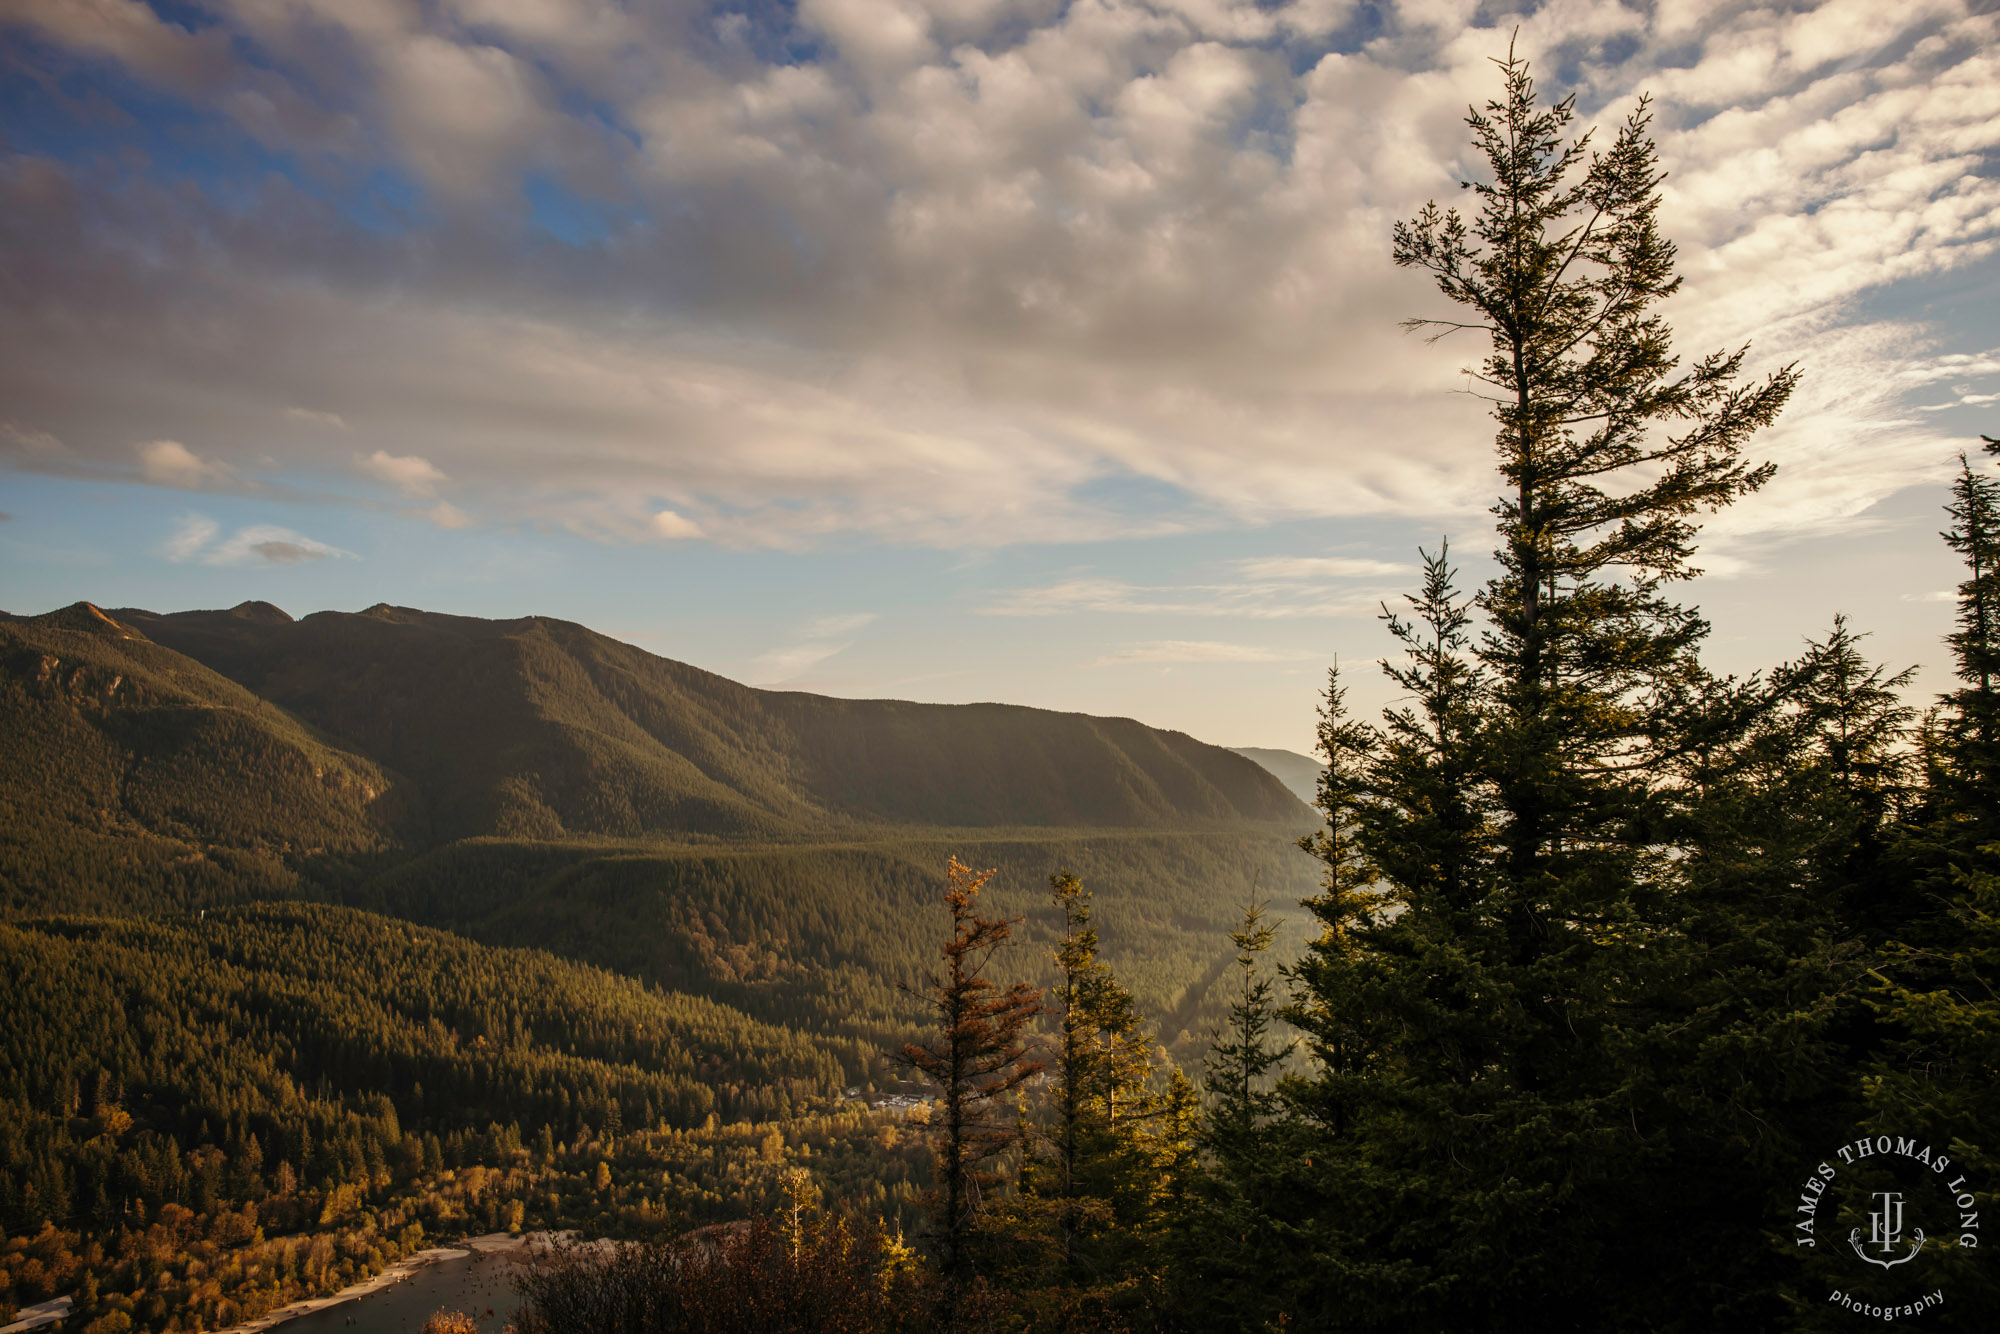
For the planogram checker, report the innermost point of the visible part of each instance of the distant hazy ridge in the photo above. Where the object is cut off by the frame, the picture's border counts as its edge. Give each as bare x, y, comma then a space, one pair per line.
1298, 772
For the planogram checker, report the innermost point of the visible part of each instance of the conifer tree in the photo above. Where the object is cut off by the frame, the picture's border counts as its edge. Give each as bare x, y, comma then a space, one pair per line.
1529, 813
975, 1058
1967, 781
1562, 268
1938, 991
1098, 1093
1241, 1057
1225, 1253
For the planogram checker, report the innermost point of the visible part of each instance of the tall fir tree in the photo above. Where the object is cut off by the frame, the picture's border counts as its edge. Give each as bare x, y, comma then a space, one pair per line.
1966, 781
1241, 1057
1938, 992
1226, 1259
1104, 1187
1500, 1138
1098, 1096
975, 1058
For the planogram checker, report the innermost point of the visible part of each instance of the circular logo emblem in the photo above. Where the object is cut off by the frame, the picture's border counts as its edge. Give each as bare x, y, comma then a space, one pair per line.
1884, 1220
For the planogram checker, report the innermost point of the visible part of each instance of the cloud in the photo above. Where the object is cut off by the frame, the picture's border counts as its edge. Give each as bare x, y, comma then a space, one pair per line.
29, 440
949, 273
1185, 650
171, 463
273, 545
1951, 366
191, 533
675, 527
447, 515
411, 475
1939, 595
819, 640
1962, 401
1319, 567
194, 537
1254, 601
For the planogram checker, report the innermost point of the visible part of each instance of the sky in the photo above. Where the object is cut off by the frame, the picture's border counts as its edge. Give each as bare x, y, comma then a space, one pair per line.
1043, 351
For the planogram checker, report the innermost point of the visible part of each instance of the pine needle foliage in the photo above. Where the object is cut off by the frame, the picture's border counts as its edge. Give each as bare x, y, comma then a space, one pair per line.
1971, 777
975, 1057
1507, 856
1098, 1086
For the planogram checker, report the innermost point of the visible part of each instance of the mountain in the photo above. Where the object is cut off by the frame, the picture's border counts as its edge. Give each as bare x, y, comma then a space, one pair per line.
530, 782
133, 777
541, 728
1298, 772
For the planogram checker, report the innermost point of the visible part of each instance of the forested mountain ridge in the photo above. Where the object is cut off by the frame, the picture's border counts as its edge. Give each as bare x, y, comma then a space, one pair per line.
820, 933
132, 776
541, 727
206, 757
533, 783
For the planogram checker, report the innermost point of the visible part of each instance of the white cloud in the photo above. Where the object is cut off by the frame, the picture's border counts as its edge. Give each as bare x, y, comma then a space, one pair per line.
819, 640
1254, 601
447, 515
1962, 401
408, 473
1186, 650
194, 537
1319, 567
1951, 366
318, 418
1939, 595
271, 545
675, 527
171, 463
191, 533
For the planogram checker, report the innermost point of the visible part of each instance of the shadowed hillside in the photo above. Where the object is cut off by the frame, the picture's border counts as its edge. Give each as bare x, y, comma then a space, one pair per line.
610, 934
539, 728
533, 783
132, 777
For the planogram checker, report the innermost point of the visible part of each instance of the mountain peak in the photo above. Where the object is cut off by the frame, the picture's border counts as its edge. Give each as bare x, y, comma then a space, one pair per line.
394, 615
262, 613
89, 618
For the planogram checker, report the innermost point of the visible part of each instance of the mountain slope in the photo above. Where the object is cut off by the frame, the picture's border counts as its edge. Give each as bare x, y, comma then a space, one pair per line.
1300, 773
533, 783
541, 728
134, 777
820, 934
